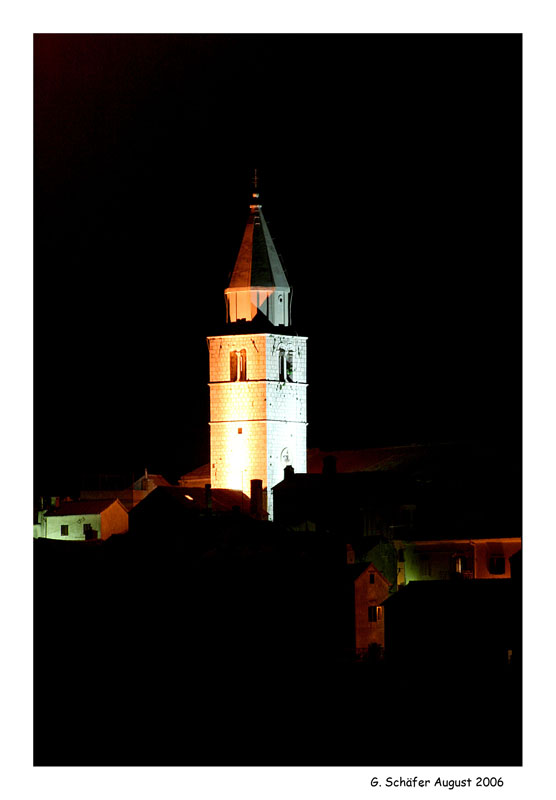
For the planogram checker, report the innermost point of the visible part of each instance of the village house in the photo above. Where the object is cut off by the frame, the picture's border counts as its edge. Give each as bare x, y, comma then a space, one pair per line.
83, 520
370, 590
452, 559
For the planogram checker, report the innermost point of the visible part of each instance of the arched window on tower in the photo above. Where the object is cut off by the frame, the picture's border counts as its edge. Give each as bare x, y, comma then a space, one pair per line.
238, 365
285, 365
289, 366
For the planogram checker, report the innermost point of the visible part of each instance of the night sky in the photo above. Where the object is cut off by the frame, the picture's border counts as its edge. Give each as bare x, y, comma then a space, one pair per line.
390, 175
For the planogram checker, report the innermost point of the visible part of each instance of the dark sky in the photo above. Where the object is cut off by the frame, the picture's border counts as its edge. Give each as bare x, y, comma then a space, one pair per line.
390, 170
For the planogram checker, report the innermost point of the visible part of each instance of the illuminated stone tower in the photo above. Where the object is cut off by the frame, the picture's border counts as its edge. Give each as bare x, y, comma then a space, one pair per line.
258, 372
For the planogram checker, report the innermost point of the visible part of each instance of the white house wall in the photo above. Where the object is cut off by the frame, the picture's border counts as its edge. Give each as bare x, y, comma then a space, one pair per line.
75, 526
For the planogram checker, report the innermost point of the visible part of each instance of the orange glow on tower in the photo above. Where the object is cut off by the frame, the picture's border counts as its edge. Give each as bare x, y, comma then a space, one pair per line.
258, 388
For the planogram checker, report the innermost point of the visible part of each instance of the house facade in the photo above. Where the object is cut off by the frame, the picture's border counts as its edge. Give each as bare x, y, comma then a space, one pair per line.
83, 521
448, 559
370, 590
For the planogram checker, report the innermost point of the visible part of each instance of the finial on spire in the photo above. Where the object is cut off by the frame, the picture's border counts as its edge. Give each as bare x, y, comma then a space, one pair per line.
255, 193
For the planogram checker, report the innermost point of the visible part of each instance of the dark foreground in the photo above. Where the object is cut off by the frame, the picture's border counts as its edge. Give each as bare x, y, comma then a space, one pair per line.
139, 662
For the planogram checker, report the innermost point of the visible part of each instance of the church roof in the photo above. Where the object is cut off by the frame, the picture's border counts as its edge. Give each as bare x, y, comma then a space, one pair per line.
258, 285
258, 263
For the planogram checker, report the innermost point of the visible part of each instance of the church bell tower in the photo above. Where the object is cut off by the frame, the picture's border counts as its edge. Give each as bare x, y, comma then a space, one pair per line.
258, 372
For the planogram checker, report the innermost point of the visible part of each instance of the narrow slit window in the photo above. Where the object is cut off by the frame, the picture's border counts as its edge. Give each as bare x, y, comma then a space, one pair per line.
459, 563
243, 365
238, 365
289, 366
233, 365
282, 365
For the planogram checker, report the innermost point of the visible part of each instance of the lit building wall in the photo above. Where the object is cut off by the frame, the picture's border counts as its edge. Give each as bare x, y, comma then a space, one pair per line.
470, 558
114, 519
244, 304
258, 409
71, 527
371, 590
495, 555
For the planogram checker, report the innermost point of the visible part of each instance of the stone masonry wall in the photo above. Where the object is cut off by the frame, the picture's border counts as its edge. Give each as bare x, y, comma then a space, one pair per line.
258, 425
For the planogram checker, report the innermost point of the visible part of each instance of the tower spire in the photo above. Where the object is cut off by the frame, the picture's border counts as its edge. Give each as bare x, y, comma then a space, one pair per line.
258, 283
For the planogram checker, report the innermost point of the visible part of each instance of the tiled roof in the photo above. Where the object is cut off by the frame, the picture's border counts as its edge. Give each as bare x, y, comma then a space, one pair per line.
368, 460
154, 478
357, 569
160, 480
80, 507
377, 459
197, 477
195, 498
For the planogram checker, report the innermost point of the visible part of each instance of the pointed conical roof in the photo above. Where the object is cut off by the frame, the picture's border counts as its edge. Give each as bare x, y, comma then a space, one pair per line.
258, 281
258, 263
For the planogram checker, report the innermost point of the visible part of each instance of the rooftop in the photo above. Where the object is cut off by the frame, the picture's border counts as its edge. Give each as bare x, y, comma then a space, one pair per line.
80, 507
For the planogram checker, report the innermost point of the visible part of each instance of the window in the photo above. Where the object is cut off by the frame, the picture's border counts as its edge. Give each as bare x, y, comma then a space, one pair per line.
285, 366
88, 531
371, 577
64, 530
238, 365
401, 556
375, 613
289, 366
459, 564
497, 565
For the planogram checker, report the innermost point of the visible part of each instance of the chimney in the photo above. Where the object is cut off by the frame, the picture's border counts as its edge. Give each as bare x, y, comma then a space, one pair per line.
289, 472
256, 506
208, 497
